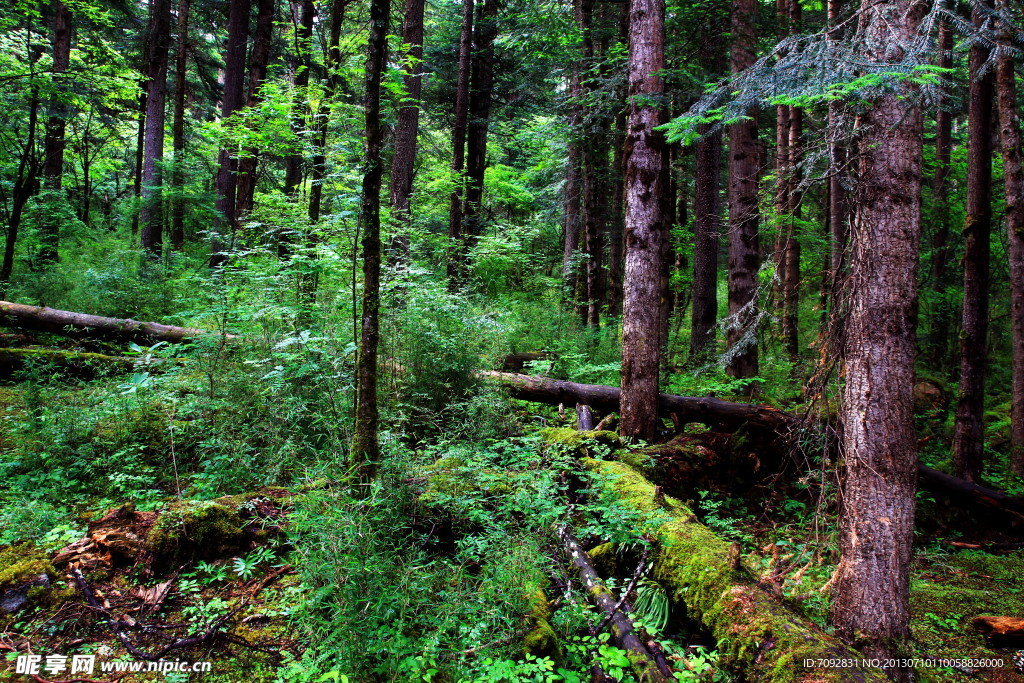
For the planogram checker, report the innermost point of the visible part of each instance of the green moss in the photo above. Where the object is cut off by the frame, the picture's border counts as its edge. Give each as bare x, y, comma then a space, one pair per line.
190, 529
580, 442
541, 641
21, 563
451, 478
605, 559
760, 635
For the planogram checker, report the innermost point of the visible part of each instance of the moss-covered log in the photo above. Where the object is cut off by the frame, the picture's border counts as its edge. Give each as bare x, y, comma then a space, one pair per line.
83, 325
758, 634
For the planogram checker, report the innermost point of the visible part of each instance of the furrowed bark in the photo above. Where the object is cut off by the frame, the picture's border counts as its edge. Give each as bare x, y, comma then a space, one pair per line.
150, 212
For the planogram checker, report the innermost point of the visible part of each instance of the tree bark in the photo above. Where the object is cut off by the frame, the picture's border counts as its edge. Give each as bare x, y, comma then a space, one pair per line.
646, 230
871, 590
231, 101
259, 57
407, 130
178, 129
456, 265
365, 447
56, 124
481, 88
150, 213
85, 326
791, 250
1013, 178
969, 433
299, 110
744, 244
26, 184
938, 342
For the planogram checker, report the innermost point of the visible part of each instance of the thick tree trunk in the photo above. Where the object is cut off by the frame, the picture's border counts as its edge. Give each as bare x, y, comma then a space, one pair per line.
365, 447
407, 130
150, 213
646, 229
791, 250
178, 130
1013, 178
140, 149
456, 264
259, 57
744, 245
481, 87
707, 226
871, 603
572, 196
231, 101
969, 434
617, 217
938, 342
56, 124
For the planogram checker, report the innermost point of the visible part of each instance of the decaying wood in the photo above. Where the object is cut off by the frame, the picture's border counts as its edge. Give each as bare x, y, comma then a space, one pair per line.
584, 417
758, 634
1001, 631
714, 411
73, 362
83, 325
964, 491
644, 663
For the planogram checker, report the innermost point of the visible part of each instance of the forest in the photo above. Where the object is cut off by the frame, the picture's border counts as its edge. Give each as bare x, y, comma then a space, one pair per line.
495, 341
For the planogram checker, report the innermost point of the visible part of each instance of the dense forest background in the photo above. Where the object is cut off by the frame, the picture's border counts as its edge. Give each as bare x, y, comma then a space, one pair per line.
418, 273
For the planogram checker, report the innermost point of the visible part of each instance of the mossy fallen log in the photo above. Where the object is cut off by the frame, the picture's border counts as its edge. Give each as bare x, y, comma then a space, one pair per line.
85, 326
767, 640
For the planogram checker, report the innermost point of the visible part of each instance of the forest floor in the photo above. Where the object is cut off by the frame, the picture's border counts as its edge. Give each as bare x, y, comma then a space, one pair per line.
217, 580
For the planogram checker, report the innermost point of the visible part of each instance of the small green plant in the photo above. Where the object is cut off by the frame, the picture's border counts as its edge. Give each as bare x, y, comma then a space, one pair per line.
652, 605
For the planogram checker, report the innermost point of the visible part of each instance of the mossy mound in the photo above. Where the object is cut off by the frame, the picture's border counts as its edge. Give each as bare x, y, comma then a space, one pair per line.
25, 576
450, 480
193, 530
583, 444
541, 640
605, 559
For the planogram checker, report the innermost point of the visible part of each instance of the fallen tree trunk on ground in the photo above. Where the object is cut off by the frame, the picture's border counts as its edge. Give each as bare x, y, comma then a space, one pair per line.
83, 325
756, 633
76, 363
712, 411
968, 492
642, 659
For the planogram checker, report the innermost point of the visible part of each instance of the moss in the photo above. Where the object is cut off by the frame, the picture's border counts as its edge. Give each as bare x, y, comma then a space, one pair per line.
760, 635
451, 478
579, 442
605, 559
541, 641
191, 529
21, 563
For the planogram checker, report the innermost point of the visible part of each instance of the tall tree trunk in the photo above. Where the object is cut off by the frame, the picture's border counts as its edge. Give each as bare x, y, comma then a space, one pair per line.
791, 250
259, 57
481, 88
407, 130
938, 346
871, 590
456, 265
150, 214
744, 245
1013, 178
56, 124
365, 448
231, 101
178, 129
617, 217
26, 184
838, 204
646, 230
969, 436
140, 148
299, 110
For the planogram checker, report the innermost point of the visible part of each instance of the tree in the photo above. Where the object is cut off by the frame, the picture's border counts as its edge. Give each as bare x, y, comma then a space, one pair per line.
744, 245
56, 125
969, 438
456, 264
871, 584
365, 447
299, 109
231, 101
481, 88
259, 57
1013, 179
646, 231
178, 129
150, 214
408, 128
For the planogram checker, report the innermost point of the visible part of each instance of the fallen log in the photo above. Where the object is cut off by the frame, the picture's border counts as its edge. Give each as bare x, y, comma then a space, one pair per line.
644, 663
711, 411
83, 325
756, 633
969, 492
1001, 631
76, 363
